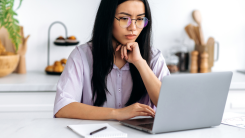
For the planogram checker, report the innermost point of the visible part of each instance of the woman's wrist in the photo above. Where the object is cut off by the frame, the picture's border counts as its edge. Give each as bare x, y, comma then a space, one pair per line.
113, 114
140, 63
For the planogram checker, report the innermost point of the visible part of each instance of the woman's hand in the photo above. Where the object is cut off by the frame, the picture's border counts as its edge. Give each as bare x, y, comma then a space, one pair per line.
130, 52
134, 110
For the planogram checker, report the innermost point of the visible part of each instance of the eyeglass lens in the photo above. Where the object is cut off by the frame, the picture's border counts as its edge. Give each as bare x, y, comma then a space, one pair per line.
140, 23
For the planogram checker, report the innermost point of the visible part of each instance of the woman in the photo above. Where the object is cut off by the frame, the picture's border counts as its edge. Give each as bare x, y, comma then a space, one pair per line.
116, 75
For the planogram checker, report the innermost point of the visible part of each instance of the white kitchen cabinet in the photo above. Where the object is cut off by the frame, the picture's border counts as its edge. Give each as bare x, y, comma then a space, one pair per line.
26, 104
29, 95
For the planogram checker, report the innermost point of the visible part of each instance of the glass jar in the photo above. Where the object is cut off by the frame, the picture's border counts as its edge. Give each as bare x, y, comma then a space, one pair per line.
172, 63
183, 55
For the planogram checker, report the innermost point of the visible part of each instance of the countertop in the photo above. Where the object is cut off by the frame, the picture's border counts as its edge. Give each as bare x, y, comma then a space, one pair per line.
40, 81
57, 128
31, 81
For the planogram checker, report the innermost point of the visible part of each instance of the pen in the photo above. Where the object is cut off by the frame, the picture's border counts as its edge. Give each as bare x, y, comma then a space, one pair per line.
98, 130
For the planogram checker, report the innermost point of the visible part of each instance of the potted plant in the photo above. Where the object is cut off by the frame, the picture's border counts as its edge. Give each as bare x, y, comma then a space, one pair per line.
8, 20
11, 30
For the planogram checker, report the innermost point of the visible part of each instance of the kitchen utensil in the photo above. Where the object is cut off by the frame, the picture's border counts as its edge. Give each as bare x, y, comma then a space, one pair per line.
197, 33
204, 62
191, 32
194, 35
187, 31
194, 64
200, 50
197, 17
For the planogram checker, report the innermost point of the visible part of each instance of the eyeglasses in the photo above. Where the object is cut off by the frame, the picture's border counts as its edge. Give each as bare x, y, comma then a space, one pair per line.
141, 22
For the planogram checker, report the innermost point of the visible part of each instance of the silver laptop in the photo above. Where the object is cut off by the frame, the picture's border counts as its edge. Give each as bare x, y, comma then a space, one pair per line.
187, 101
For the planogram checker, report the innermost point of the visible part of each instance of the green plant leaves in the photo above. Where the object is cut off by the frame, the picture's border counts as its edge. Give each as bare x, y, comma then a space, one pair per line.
19, 5
8, 21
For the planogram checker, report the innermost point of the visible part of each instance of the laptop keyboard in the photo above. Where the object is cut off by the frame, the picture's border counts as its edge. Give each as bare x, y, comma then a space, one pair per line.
148, 126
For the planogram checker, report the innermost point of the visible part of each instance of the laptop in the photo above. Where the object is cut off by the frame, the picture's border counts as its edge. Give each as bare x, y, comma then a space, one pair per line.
187, 101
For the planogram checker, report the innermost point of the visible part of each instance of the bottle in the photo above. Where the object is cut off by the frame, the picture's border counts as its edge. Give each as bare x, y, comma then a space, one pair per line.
204, 63
194, 62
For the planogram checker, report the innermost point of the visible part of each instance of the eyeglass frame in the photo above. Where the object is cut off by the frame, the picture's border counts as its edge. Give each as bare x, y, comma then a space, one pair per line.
131, 22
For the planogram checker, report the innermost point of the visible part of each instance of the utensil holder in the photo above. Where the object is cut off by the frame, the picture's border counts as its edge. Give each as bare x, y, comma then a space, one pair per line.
210, 51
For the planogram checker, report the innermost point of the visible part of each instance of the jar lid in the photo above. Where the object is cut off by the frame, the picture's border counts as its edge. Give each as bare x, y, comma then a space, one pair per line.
177, 49
173, 59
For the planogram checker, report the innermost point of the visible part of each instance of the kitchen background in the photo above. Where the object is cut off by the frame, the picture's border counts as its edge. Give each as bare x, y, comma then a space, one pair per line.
222, 19
32, 95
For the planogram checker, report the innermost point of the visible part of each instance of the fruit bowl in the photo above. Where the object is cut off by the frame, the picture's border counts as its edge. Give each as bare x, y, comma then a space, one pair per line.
8, 64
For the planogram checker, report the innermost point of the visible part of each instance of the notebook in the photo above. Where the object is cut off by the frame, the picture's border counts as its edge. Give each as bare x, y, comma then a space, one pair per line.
235, 121
85, 129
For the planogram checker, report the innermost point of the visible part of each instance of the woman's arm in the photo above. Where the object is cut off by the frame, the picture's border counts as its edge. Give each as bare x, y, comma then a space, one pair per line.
82, 111
131, 53
152, 83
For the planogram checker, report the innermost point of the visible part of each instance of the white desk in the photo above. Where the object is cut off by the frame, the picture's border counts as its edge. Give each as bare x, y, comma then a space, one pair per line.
57, 128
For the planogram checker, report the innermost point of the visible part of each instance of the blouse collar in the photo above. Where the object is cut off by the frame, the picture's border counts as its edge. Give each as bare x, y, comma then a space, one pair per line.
125, 67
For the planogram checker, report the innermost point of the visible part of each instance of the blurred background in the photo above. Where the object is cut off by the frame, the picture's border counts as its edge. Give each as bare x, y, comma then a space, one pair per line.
31, 93
222, 19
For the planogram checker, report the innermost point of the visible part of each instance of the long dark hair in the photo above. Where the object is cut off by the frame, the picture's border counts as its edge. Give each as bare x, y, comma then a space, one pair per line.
103, 52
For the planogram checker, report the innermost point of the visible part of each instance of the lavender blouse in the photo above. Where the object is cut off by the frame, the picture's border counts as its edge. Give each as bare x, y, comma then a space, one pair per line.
74, 84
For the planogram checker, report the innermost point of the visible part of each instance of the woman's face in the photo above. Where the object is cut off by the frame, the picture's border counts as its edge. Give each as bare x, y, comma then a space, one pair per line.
130, 8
